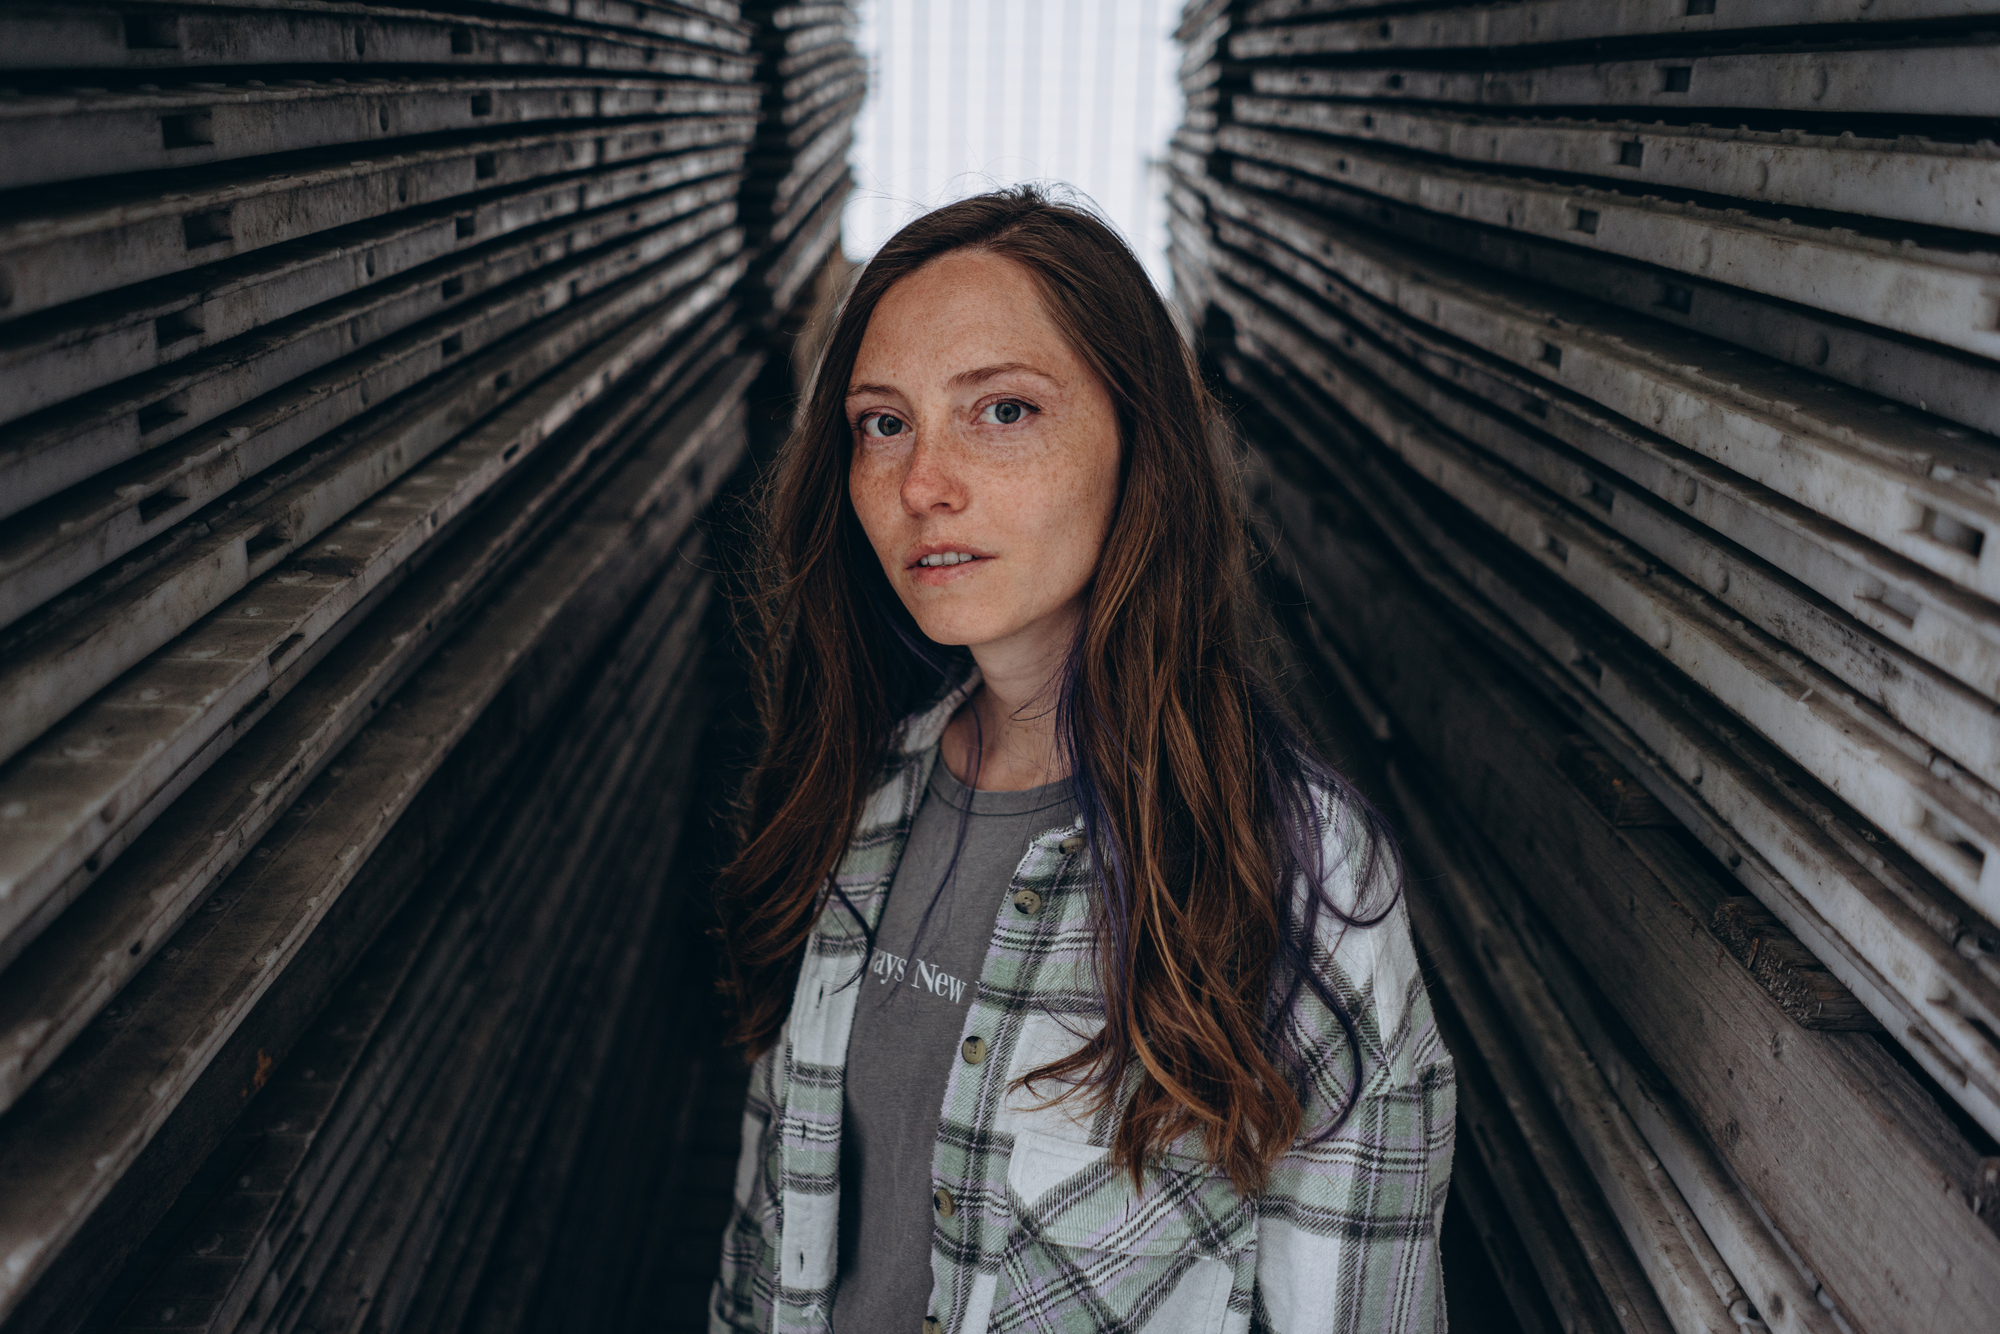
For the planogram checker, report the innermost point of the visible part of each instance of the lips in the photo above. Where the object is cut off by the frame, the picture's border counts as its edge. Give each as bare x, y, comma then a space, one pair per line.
943, 556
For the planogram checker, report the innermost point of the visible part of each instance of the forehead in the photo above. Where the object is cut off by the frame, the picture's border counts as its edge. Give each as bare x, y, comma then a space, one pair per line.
961, 310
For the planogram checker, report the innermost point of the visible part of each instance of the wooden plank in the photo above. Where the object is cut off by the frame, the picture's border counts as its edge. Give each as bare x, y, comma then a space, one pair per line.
64, 655
211, 34
1865, 756
1789, 432
1807, 1120
1536, 22
1787, 970
1691, 1290
402, 1211
1955, 385
1928, 182
1922, 287
1588, 1270
1873, 926
1704, 1278
1939, 74
113, 238
48, 827
77, 135
51, 991
405, 327
67, 1144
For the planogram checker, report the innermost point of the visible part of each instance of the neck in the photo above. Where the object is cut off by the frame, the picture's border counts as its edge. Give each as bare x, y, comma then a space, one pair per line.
1009, 724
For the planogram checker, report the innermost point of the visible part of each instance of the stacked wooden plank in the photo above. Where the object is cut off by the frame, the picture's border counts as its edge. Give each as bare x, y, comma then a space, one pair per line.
362, 374
1621, 383
814, 79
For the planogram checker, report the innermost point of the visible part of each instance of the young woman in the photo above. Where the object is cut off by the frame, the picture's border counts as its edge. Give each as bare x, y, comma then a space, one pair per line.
1081, 993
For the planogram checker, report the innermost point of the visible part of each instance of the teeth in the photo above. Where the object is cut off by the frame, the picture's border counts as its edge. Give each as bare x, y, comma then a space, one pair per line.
947, 558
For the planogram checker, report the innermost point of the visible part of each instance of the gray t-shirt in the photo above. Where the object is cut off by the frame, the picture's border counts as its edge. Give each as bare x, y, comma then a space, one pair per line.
906, 1035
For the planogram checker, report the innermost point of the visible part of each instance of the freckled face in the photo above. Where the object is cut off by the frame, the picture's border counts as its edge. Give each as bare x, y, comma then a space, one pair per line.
986, 454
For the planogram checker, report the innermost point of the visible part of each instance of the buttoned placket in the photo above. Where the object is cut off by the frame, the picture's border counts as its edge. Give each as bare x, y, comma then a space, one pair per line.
974, 1046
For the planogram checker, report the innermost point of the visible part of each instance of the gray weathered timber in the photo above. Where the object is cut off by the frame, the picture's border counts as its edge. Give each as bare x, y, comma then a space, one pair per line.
220, 212
231, 798
1910, 180
1862, 754
210, 34
1941, 75
1918, 488
58, 819
1957, 386
1786, 969
1525, 1205
814, 238
1903, 946
73, 535
97, 342
372, 1263
1901, 681
77, 135
1945, 627
1924, 288
1656, 1262
1809, 1120
1537, 21
1613, 1280
1686, 1219
72, 657
79, 1129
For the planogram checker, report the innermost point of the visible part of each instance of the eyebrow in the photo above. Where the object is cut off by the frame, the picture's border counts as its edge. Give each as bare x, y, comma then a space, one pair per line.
963, 378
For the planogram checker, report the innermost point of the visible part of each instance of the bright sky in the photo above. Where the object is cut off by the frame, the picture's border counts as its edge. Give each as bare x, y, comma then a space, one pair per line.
967, 95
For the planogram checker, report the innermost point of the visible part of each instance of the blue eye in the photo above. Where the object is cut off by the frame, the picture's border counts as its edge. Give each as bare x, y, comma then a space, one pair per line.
1004, 413
880, 424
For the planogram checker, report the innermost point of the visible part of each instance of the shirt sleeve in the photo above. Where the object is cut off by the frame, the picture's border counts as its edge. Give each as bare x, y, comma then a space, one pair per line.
742, 1297
1347, 1233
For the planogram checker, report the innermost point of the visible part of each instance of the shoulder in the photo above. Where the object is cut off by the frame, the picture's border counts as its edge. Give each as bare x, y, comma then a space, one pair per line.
1350, 912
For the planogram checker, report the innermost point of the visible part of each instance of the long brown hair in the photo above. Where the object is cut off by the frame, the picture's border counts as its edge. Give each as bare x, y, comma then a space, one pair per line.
1204, 807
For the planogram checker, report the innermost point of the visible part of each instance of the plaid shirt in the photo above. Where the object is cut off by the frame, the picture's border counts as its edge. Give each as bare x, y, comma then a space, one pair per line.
1033, 1227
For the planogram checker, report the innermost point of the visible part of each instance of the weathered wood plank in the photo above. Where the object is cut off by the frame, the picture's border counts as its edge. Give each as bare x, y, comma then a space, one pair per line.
58, 137
410, 327
66, 1145
1809, 1121
350, 540
1840, 888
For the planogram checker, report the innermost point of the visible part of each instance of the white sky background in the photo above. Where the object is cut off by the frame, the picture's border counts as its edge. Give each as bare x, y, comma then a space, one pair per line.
968, 95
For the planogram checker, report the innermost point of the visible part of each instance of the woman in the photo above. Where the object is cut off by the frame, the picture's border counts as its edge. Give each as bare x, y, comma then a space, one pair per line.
1081, 993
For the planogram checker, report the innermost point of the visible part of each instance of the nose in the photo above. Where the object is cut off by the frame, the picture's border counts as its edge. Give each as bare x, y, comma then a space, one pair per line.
932, 483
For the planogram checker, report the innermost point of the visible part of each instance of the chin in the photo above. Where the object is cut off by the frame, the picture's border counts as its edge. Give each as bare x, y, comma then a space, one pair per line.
958, 631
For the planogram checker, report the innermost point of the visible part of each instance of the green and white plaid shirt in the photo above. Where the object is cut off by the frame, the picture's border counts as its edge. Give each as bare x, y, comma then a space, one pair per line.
1032, 1225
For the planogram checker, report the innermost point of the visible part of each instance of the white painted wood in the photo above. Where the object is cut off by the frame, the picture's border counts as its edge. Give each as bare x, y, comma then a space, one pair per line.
72, 774
1536, 21
1910, 953
1889, 476
1948, 296
65, 1151
1700, 1286
92, 248
73, 135
1911, 179
98, 342
209, 34
459, 309
1946, 75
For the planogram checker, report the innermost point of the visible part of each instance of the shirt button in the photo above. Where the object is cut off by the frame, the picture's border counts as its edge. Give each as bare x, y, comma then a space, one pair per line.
1027, 902
1074, 843
974, 1050
946, 1206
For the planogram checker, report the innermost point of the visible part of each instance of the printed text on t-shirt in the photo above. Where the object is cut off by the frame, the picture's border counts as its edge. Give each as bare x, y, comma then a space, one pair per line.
889, 969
